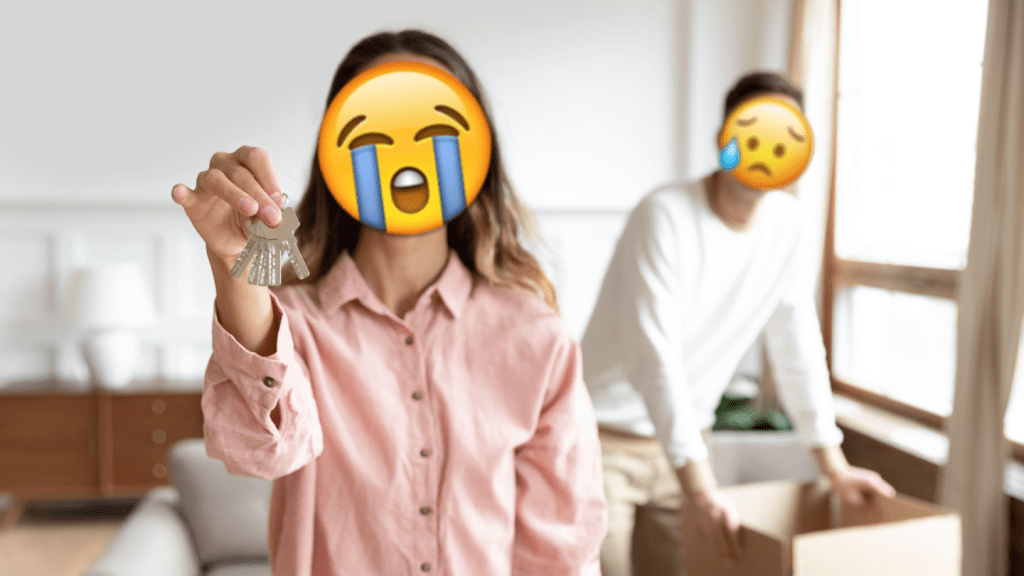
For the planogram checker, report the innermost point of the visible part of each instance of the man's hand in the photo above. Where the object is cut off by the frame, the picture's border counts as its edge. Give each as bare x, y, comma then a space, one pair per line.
854, 485
717, 516
719, 521
858, 485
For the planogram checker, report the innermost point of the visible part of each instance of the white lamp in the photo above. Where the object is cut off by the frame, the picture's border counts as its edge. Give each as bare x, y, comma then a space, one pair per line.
108, 302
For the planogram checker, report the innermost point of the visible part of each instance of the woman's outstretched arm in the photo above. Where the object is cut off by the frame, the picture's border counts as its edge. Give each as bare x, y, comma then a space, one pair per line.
260, 417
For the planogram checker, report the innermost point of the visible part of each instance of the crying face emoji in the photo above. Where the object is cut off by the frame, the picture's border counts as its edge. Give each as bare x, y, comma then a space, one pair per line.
404, 147
766, 142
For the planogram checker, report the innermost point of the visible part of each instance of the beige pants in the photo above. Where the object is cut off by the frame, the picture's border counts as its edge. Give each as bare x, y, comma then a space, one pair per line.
643, 508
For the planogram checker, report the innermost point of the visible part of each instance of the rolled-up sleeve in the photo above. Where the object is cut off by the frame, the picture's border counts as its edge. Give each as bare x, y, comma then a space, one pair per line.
241, 390
560, 505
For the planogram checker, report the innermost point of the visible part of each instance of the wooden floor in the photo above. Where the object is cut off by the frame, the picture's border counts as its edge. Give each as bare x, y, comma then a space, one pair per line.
55, 541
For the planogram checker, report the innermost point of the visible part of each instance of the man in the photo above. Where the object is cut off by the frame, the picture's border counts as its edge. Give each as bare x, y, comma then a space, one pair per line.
700, 271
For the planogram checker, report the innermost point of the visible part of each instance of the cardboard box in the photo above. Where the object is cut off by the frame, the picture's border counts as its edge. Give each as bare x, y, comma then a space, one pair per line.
797, 529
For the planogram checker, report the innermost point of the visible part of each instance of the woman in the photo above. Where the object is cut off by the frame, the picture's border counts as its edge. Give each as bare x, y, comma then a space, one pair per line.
416, 399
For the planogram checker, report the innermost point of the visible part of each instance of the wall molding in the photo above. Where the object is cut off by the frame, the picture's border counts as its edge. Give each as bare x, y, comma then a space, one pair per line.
50, 239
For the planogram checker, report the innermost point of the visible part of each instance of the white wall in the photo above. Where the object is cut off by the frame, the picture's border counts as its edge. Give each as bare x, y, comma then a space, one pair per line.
118, 100
47, 244
727, 38
105, 105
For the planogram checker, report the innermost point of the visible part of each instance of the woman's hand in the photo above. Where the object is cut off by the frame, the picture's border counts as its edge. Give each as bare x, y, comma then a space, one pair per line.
235, 187
858, 485
719, 521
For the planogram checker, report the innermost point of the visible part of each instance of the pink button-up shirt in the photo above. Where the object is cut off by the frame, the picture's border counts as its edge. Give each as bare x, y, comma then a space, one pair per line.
458, 440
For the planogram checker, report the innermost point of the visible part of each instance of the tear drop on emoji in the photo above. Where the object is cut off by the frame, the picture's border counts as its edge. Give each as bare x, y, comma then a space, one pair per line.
404, 147
766, 142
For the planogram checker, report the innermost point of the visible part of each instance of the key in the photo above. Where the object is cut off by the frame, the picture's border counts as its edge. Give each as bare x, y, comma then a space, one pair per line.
253, 252
265, 247
258, 272
248, 253
285, 233
274, 267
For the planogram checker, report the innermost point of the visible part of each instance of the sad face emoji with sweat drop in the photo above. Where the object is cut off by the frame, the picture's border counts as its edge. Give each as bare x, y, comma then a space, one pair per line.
766, 142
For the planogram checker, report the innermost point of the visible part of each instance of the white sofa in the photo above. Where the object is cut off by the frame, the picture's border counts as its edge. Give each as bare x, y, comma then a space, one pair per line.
207, 522
215, 524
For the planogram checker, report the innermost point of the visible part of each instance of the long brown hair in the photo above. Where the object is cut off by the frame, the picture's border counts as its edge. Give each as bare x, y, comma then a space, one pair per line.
487, 235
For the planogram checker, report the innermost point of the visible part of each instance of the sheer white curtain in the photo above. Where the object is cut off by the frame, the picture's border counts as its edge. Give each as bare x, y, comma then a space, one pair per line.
812, 52
991, 301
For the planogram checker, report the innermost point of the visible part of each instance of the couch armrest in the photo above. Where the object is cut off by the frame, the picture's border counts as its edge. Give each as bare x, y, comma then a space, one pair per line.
154, 541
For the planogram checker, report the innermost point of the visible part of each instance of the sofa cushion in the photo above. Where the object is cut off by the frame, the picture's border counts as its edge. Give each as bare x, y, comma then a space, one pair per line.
228, 514
154, 540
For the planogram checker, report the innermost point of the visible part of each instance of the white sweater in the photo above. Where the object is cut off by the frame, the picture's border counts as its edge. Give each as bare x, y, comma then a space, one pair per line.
683, 299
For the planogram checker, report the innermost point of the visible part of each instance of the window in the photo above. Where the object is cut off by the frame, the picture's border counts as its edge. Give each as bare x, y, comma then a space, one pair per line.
908, 90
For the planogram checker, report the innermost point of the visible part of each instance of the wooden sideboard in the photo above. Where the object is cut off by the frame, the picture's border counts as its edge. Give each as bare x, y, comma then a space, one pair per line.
92, 444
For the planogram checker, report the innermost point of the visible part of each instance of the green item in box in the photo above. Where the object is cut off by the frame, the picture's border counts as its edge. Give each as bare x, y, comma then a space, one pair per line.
739, 413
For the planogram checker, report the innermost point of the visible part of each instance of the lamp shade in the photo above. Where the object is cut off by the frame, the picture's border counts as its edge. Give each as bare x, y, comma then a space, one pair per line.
109, 296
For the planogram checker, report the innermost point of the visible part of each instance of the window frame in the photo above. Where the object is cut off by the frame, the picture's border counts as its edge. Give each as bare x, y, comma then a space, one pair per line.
839, 272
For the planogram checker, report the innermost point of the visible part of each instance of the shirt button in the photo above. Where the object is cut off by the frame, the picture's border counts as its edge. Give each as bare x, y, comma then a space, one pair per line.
409, 340
425, 510
425, 452
425, 567
269, 382
417, 395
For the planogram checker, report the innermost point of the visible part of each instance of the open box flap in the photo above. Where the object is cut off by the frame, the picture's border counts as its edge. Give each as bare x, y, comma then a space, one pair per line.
928, 545
782, 509
883, 509
763, 555
786, 530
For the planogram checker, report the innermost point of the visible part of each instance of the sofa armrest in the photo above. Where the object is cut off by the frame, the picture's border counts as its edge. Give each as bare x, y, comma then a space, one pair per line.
154, 541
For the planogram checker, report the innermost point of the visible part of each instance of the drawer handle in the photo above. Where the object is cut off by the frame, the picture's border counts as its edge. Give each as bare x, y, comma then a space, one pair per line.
159, 406
159, 471
159, 436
